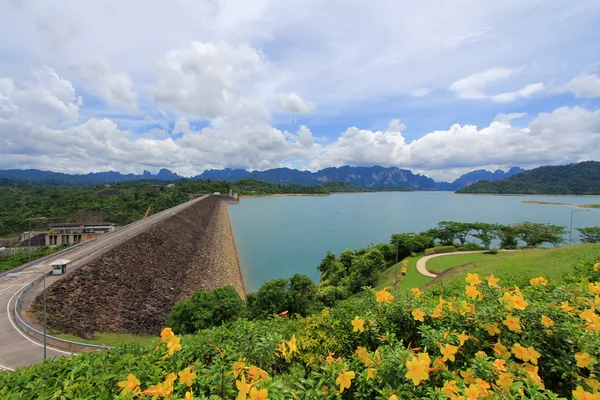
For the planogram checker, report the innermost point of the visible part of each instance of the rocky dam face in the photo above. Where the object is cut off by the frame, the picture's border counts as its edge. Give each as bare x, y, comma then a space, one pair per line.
132, 287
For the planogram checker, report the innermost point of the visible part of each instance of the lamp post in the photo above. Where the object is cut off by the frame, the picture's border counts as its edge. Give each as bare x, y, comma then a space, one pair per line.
571, 225
396, 281
17, 274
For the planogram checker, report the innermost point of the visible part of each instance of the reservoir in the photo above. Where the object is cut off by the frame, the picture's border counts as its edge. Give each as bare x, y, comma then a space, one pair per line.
279, 236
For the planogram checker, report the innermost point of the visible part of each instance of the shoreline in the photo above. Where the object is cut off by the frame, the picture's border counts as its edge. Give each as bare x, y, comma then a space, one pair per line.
229, 247
555, 203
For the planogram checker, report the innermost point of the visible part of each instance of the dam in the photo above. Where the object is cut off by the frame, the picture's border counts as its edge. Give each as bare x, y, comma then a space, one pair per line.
132, 287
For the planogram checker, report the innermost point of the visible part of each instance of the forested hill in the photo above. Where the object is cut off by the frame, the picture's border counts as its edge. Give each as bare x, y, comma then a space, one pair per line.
575, 179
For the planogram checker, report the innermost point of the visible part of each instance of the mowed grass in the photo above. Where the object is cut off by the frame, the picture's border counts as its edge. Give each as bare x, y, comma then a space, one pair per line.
412, 279
112, 339
440, 264
550, 263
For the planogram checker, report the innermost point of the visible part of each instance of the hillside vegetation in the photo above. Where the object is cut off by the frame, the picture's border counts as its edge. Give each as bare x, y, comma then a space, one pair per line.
517, 337
574, 179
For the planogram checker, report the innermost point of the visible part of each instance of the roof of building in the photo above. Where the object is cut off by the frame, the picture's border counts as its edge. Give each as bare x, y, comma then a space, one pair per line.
80, 225
61, 261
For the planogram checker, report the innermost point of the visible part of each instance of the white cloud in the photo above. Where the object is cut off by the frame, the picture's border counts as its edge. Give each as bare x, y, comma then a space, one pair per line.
421, 92
50, 100
292, 102
204, 80
115, 88
473, 86
584, 86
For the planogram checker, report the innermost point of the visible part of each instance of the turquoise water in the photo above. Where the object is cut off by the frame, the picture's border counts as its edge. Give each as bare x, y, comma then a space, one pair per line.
280, 236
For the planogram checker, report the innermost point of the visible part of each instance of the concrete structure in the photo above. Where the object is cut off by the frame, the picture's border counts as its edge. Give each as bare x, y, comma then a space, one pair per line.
59, 267
69, 233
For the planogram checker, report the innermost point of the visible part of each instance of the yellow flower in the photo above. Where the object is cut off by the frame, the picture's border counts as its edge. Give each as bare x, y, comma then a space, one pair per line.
472, 292
166, 334
588, 315
528, 354
504, 381
256, 373
344, 379
483, 386
450, 388
584, 360
361, 352
492, 329
358, 324
448, 351
513, 323
173, 345
393, 397
472, 392
187, 376
594, 384
156, 390
515, 301
416, 292
418, 315
493, 281
501, 350
566, 307
581, 394
131, 385
467, 308
596, 266
238, 367
539, 281
437, 312
547, 322
383, 296
256, 394
243, 388
468, 376
499, 365
473, 279
292, 344
594, 288
189, 395
462, 338
418, 369
371, 373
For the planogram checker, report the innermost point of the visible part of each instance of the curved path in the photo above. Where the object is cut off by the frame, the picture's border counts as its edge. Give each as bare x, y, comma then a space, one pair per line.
18, 350
422, 262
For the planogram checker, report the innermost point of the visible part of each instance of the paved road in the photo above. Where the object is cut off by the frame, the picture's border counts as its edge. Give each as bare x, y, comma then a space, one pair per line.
18, 350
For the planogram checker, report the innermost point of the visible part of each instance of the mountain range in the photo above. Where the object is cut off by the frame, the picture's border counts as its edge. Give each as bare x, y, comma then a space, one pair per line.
573, 179
366, 177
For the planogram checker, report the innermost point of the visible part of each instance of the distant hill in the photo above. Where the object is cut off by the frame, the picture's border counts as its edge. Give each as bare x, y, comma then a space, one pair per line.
375, 177
581, 179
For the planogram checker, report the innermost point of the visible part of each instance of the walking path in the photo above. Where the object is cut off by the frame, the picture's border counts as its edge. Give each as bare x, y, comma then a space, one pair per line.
421, 263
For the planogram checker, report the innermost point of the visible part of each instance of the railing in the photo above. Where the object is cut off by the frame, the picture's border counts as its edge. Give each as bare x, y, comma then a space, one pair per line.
51, 340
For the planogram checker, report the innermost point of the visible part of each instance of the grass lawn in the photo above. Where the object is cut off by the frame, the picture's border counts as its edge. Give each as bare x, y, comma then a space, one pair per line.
412, 279
439, 264
112, 339
550, 263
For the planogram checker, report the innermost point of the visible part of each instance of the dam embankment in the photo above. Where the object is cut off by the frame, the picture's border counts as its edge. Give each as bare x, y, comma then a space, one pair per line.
131, 288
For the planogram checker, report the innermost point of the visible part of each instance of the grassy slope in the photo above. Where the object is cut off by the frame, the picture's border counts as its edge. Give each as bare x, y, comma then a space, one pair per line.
439, 264
550, 263
412, 279
112, 339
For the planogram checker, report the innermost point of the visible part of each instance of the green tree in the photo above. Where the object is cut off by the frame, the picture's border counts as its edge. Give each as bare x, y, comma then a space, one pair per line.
296, 295
206, 309
406, 243
590, 235
484, 232
534, 234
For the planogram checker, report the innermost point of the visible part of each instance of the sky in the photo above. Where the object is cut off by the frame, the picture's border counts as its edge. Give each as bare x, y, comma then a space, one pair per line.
437, 87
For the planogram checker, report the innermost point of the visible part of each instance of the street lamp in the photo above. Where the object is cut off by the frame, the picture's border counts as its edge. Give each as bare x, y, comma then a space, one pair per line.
571, 225
17, 274
29, 238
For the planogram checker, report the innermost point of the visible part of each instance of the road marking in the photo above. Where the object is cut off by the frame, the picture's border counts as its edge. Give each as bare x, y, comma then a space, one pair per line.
5, 289
6, 368
21, 333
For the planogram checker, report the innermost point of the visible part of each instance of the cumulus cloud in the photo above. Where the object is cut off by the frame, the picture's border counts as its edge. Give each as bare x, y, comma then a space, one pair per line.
204, 80
473, 86
291, 102
584, 86
49, 100
115, 88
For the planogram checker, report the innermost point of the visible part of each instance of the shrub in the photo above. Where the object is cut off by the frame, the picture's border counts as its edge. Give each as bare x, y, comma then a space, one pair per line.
413, 254
206, 309
471, 247
296, 295
492, 251
440, 250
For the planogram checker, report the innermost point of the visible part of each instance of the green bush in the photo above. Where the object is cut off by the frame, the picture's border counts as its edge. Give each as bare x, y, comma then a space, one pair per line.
471, 247
440, 250
206, 309
297, 295
492, 251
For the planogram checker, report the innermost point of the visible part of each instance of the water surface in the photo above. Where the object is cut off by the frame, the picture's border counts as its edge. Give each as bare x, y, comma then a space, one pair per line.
280, 236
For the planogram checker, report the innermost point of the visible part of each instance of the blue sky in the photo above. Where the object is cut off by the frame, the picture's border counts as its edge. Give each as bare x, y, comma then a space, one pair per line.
437, 87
